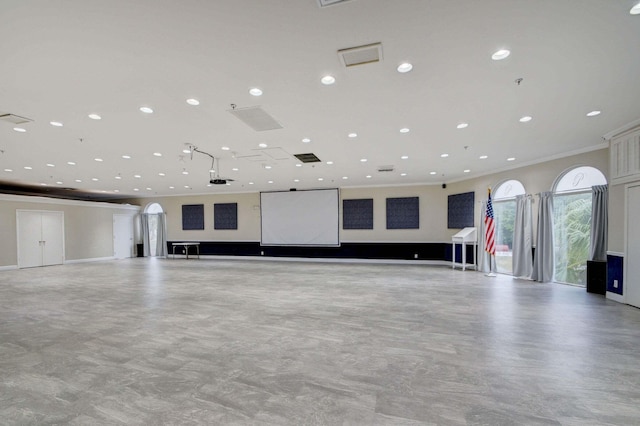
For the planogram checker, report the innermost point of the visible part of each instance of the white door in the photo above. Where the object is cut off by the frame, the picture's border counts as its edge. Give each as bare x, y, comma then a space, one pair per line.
52, 238
40, 238
122, 236
632, 265
29, 239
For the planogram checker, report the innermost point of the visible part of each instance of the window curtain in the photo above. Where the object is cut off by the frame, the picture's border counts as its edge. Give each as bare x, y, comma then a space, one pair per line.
144, 225
599, 222
543, 262
522, 238
161, 242
485, 262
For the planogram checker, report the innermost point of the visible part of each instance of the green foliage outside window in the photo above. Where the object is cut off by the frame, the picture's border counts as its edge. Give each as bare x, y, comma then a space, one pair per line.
572, 229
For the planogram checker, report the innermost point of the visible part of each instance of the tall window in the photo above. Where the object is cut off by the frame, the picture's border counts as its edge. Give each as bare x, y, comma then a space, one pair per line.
153, 210
572, 223
504, 210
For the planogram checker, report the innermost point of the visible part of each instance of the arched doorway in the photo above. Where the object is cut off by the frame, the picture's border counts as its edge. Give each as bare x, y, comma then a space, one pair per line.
154, 230
572, 222
504, 210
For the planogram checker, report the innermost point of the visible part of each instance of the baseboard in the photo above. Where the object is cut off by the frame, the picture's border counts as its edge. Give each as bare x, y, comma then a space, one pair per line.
8, 267
615, 297
92, 259
318, 260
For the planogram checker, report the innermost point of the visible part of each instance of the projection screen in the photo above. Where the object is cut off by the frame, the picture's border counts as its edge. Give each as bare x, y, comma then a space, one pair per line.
300, 218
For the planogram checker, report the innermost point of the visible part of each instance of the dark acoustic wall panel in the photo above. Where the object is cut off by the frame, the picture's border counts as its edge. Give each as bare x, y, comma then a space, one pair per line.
192, 216
357, 214
403, 213
225, 216
460, 210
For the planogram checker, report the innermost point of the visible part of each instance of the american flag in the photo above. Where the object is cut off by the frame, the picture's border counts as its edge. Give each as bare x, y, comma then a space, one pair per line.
490, 228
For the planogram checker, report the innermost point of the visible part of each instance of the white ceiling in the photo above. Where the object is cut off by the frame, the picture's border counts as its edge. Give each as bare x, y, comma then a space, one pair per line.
66, 59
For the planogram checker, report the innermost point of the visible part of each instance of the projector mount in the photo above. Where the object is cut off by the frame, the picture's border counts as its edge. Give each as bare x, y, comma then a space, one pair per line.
214, 171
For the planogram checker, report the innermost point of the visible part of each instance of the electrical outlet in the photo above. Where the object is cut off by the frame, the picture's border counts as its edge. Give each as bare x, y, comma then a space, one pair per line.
261, 253
615, 283
415, 256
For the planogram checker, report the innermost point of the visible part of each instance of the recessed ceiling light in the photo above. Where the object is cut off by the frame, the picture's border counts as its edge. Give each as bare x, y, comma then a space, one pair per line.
71, 163
267, 167
172, 187
320, 179
363, 160
235, 169
525, 119
328, 80
483, 157
352, 135
157, 154
126, 157
225, 148
161, 174
368, 176
404, 157
208, 185
146, 110
136, 189
148, 189
404, 130
296, 180
635, 10
43, 184
118, 177
55, 123
594, 113
186, 151
404, 67
345, 177
298, 165
99, 160
466, 171
186, 186
28, 168
193, 102
444, 155
403, 174
19, 129
78, 180
270, 181
8, 170
116, 190
262, 145
462, 126
137, 176
511, 159
59, 183
94, 179
329, 162
184, 172
433, 173
254, 91
500, 54
250, 183
50, 165
95, 117
306, 140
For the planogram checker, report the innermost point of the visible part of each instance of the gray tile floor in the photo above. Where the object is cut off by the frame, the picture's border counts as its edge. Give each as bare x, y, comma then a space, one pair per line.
154, 341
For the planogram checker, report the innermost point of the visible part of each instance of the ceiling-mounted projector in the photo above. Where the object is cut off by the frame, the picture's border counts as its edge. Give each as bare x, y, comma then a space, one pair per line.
218, 181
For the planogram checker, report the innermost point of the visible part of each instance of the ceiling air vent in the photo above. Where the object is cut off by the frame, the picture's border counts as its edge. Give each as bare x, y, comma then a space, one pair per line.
325, 3
256, 118
360, 55
307, 158
15, 119
385, 168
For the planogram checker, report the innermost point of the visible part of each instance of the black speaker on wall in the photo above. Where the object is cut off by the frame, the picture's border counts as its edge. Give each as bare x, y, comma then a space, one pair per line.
444, 186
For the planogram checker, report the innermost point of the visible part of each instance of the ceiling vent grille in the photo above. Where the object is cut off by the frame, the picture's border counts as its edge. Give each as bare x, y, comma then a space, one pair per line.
325, 3
383, 169
256, 118
307, 158
15, 119
361, 55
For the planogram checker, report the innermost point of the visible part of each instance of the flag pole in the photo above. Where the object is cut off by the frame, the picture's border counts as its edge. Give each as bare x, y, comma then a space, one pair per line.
490, 236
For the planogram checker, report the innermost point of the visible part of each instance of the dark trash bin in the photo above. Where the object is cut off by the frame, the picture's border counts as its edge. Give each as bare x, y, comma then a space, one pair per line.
140, 250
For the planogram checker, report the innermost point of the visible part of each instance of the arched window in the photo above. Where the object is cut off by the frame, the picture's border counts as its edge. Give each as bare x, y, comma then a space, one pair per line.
504, 211
153, 211
572, 222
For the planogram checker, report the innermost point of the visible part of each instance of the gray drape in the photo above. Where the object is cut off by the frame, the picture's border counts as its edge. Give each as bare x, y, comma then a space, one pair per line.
485, 262
599, 222
543, 262
161, 242
144, 227
523, 238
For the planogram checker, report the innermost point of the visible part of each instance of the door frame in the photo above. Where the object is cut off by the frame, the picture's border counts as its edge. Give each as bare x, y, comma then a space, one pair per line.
56, 212
625, 274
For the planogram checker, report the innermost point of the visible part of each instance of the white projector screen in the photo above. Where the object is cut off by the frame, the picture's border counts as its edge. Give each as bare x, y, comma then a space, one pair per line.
300, 218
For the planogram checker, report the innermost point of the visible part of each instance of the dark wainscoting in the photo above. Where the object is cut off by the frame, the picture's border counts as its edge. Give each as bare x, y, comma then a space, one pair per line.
395, 251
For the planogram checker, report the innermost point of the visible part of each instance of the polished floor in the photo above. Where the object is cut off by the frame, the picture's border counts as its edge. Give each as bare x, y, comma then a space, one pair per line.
247, 342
